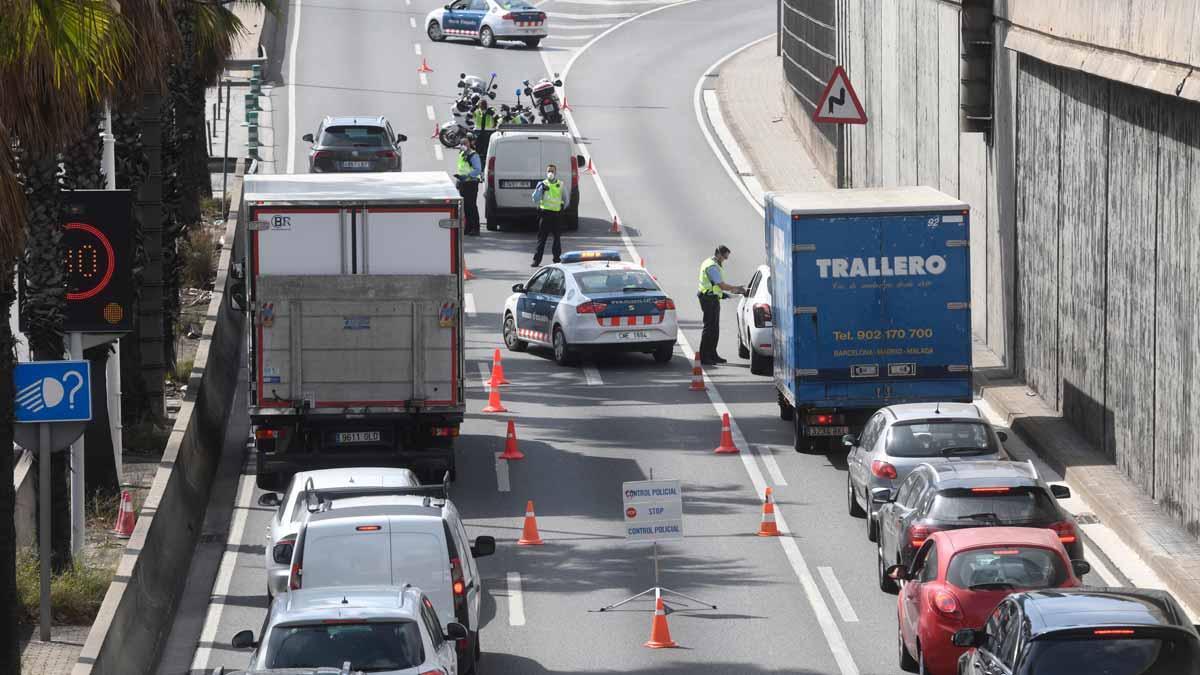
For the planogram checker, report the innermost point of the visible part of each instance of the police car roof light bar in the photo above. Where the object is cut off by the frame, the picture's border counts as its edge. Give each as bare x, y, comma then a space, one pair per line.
586, 256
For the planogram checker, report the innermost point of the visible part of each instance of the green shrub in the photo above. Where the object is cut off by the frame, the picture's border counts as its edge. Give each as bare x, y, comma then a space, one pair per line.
75, 595
198, 255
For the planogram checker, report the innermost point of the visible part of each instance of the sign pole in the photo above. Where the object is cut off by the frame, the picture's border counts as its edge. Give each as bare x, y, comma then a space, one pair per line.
78, 532
44, 527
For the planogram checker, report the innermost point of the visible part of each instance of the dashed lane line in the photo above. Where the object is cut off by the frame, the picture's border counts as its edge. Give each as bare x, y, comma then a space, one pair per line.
485, 374
437, 152
430, 113
412, 22
592, 374
502, 483
291, 142
767, 453
424, 79
516, 600
417, 48
839, 596
469, 304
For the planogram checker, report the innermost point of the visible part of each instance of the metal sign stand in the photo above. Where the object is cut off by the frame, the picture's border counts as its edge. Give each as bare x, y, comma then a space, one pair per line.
657, 590
44, 528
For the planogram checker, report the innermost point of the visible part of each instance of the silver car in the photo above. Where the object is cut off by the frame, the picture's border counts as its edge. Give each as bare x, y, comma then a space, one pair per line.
899, 438
754, 323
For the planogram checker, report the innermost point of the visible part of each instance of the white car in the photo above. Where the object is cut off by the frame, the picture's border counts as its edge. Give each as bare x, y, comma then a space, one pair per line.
488, 21
590, 302
754, 323
516, 163
317, 486
376, 629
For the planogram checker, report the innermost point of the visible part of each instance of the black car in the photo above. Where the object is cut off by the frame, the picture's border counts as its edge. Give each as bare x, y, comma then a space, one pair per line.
353, 144
953, 495
1076, 631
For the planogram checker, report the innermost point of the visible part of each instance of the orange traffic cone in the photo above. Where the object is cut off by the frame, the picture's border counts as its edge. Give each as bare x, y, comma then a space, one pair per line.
529, 535
697, 375
726, 447
497, 371
510, 444
768, 528
660, 634
424, 67
467, 276
125, 517
495, 406
616, 227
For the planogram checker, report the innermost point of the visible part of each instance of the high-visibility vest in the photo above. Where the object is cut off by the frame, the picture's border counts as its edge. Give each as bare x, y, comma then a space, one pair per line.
464, 168
707, 287
485, 120
552, 199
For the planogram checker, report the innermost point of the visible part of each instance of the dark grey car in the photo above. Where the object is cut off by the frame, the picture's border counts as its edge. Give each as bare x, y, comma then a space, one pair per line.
354, 144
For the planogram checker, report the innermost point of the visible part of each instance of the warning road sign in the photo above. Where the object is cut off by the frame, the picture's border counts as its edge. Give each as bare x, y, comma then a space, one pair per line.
838, 103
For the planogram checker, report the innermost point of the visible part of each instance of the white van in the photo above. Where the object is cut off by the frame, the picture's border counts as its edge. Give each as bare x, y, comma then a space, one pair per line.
516, 161
395, 540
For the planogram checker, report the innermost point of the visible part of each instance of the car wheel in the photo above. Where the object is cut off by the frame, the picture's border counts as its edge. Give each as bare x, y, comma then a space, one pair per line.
872, 528
760, 364
663, 353
435, 32
532, 43
743, 350
486, 37
511, 339
563, 355
490, 216
886, 583
907, 663
851, 501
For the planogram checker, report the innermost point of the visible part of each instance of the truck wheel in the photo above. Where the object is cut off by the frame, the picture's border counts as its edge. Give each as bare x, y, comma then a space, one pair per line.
271, 482
514, 343
563, 354
786, 411
760, 364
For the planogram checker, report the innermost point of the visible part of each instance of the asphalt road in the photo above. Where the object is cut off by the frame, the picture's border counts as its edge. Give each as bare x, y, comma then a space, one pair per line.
804, 603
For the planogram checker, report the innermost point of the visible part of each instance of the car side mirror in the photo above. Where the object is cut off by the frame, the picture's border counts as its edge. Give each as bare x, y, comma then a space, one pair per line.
400, 138
898, 573
850, 440
269, 499
244, 640
968, 637
456, 631
237, 270
447, 8
558, 83
483, 546
882, 496
1003, 436
518, 288
1081, 568
237, 296
307, 137
1060, 491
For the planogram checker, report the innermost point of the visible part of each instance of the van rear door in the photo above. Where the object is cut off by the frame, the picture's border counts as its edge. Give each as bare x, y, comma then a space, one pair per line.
347, 552
419, 557
518, 169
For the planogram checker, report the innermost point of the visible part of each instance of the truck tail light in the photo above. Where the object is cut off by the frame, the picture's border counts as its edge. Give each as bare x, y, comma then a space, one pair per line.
281, 552
762, 315
590, 307
826, 420
917, 534
1065, 530
882, 469
444, 432
665, 304
945, 603
491, 177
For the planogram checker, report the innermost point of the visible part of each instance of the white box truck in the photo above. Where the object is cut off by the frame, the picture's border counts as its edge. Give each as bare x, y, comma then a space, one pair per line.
354, 290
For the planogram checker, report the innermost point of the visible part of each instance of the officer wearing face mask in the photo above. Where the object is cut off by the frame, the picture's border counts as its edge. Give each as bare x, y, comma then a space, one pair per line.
551, 200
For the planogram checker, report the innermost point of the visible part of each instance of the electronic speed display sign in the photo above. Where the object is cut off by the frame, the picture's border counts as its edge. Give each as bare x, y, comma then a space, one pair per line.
98, 261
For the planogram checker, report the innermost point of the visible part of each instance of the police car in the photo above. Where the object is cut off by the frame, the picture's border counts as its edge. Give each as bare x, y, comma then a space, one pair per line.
591, 301
488, 21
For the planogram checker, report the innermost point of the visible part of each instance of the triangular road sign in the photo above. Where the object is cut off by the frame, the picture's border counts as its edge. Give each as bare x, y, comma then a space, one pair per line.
838, 103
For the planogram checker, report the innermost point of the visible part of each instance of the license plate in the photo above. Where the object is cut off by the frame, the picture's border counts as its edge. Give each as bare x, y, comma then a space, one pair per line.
356, 165
827, 431
516, 184
351, 437
633, 335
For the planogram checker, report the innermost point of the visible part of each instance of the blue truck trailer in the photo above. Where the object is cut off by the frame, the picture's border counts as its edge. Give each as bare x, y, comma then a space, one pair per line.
870, 291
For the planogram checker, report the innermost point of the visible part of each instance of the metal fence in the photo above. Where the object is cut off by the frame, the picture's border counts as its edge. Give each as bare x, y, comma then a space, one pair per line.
810, 47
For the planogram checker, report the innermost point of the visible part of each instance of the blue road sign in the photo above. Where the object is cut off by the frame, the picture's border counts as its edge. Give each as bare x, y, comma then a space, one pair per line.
53, 391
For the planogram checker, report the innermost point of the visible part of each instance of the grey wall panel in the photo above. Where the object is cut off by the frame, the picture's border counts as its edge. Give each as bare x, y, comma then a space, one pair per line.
907, 137
891, 71
1177, 338
873, 11
1040, 105
947, 97
1002, 193
974, 192
1083, 216
928, 92
859, 77
1132, 233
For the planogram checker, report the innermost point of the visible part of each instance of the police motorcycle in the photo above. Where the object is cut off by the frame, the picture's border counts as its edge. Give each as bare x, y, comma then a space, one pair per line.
516, 113
471, 90
545, 99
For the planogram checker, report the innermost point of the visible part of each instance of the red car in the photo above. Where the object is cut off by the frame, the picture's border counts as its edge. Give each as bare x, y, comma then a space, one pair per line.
959, 576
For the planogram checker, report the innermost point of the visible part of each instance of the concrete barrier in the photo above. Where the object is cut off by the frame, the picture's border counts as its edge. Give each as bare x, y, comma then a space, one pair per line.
136, 615
25, 512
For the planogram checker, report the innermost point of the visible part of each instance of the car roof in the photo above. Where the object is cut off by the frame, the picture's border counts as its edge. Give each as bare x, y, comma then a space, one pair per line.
971, 473
374, 476
934, 411
352, 120
346, 602
979, 537
589, 265
1064, 609
381, 506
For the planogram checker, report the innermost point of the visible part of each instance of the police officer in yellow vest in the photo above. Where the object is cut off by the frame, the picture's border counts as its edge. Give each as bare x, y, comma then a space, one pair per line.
551, 200
468, 173
712, 290
485, 123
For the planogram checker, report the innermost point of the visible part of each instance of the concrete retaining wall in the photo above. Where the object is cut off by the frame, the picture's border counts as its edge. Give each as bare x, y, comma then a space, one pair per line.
136, 614
25, 513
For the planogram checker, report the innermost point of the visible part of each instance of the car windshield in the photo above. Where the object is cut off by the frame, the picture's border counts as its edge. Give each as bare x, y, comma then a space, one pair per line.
1135, 656
1007, 568
614, 281
369, 647
353, 137
995, 506
940, 439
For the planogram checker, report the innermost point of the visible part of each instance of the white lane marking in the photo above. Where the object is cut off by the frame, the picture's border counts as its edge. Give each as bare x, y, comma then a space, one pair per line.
767, 453
412, 22
485, 374
437, 151
579, 26
237, 528
1100, 568
516, 600
712, 143
593, 375
568, 15
417, 48
839, 596
291, 137
569, 37
430, 113
502, 484
469, 303
833, 634
424, 80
